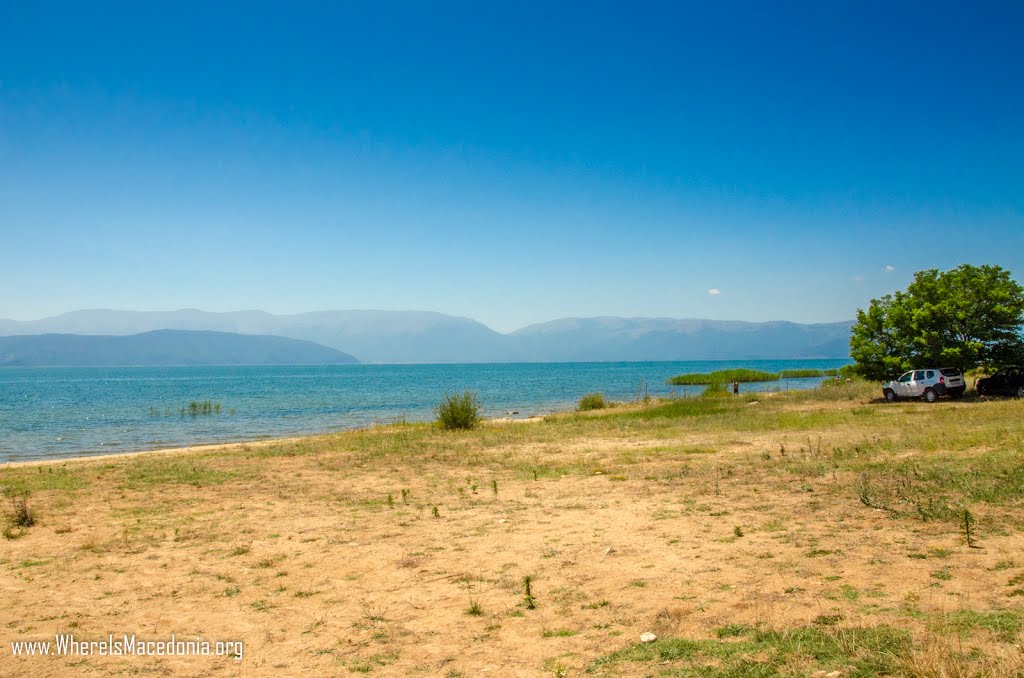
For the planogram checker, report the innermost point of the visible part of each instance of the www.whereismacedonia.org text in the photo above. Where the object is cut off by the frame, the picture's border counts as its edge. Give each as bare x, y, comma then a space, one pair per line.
121, 645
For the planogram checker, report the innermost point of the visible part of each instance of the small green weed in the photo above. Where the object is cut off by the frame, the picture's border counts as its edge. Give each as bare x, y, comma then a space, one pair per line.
968, 525
595, 606
529, 602
733, 630
757, 654
21, 516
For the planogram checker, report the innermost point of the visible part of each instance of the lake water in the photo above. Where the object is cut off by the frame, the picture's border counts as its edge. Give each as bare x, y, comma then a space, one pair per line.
51, 413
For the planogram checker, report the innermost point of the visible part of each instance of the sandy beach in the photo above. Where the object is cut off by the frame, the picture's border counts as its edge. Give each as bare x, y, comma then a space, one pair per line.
213, 447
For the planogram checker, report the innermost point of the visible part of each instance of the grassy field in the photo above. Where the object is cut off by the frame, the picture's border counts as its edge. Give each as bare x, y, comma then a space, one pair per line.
798, 533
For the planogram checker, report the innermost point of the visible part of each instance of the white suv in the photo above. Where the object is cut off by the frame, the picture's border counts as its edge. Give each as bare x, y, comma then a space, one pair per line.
928, 383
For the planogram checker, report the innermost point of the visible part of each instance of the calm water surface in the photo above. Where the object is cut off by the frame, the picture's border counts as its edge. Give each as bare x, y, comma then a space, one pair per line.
49, 413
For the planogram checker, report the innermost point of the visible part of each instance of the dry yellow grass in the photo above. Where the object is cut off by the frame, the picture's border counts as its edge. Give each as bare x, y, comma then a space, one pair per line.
822, 512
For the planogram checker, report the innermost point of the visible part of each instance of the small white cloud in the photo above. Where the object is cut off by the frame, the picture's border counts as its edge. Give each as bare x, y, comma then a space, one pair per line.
714, 291
889, 268
858, 278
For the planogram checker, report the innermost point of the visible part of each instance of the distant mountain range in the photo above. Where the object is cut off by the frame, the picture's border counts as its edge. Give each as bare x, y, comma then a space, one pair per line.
426, 337
164, 347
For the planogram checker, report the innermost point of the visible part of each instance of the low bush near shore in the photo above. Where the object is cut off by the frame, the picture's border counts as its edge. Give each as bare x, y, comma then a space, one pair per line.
592, 401
715, 390
460, 411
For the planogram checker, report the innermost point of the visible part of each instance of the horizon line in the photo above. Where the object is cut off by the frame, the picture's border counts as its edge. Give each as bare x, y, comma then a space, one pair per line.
429, 312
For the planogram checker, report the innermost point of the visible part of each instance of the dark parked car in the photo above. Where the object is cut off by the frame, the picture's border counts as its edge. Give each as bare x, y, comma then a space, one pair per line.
1007, 381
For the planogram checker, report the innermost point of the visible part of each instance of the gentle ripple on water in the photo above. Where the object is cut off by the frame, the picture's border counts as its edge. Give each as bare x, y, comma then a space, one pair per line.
50, 413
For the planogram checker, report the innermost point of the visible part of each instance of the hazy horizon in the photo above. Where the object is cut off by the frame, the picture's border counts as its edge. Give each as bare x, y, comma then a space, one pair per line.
427, 337
413, 311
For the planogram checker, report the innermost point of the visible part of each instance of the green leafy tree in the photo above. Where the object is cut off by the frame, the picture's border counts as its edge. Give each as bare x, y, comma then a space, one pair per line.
877, 341
966, 317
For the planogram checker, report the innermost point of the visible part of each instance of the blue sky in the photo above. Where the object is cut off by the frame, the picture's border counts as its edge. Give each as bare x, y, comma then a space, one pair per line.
510, 162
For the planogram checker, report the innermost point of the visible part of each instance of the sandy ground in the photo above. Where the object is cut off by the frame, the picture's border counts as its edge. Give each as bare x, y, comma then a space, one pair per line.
333, 562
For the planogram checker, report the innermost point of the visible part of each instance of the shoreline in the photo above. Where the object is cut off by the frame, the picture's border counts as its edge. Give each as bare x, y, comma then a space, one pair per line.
234, 444
267, 442
109, 418
167, 451
264, 442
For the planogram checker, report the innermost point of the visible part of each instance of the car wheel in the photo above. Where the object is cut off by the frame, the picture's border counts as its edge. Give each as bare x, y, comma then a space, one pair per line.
889, 395
1020, 391
930, 395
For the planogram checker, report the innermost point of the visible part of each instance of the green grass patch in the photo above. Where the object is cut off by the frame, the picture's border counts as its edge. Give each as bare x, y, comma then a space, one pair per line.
147, 472
1004, 624
40, 478
869, 651
673, 409
716, 390
733, 630
722, 377
939, 486
799, 374
817, 553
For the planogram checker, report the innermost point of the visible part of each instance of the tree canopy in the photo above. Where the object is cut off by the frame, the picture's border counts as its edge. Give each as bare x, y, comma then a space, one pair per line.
966, 317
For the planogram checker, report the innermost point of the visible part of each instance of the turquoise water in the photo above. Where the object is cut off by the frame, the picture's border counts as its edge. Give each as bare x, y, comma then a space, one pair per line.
53, 413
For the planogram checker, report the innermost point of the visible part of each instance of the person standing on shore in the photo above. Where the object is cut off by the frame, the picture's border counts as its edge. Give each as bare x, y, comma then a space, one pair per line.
735, 387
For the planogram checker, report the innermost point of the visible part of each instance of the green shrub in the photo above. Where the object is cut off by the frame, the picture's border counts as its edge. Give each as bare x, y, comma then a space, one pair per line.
21, 516
849, 372
592, 401
971, 376
716, 390
460, 411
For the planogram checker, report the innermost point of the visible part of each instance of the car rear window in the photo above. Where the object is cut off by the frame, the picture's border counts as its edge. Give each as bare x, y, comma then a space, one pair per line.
950, 372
